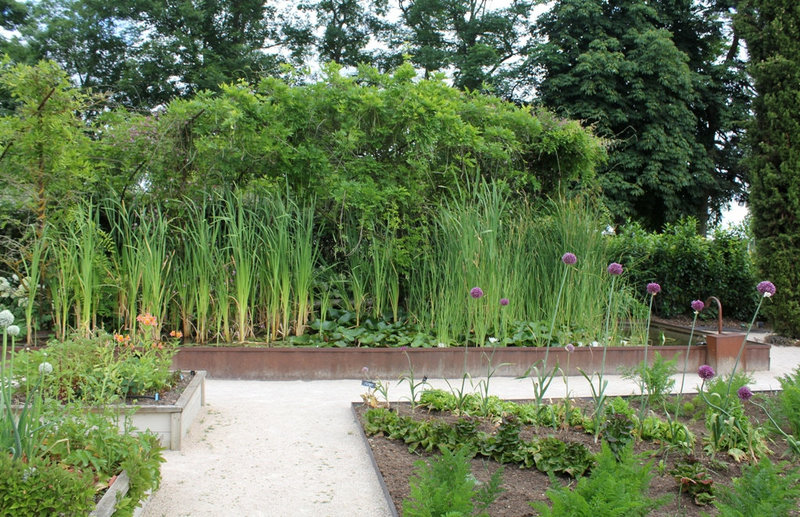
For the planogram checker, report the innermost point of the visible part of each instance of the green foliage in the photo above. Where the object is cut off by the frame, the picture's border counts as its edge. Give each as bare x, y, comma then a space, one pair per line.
504, 445
99, 369
639, 71
656, 378
613, 488
789, 400
689, 266
773, 44
617, 430
764, 489
39, 488
729, 428
45, 141
478, 42
694, 479
445, 486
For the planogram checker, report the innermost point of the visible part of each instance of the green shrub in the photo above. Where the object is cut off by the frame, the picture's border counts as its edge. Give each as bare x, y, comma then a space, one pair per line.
43, 488
613, 488
94, 440
789, 401
445, 486
656, 377
689, 266
763, 489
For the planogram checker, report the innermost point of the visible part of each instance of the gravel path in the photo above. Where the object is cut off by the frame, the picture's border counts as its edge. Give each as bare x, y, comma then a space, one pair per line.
293, 448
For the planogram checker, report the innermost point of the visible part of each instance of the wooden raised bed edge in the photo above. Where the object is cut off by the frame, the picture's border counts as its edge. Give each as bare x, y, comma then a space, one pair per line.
172, 422
108, 503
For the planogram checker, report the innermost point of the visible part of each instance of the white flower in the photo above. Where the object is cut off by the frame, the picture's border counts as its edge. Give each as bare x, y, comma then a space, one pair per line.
441, 345
492, 340
45, 368
12, 330
594, 343
6, 318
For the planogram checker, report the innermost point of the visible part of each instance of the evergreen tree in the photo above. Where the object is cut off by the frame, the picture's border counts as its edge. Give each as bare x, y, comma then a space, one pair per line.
771, 29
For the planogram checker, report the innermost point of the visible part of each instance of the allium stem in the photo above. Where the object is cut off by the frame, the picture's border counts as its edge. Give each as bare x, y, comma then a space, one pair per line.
741, 348
608, 319
555, 313
647, 339
686, 363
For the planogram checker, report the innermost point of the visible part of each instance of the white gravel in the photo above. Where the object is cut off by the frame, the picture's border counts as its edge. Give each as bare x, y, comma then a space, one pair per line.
293, 448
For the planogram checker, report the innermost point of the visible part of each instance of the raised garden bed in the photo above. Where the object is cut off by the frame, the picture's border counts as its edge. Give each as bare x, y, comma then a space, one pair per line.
107, 505
251, 363
172, 421
394, 462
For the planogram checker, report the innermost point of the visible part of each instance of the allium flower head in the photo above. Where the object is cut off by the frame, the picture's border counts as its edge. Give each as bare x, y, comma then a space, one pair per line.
570, 347
653, 288
615, 268
503, 302
12, 330
45, 368
698, 305
766, 288
6, 318
706, 372
744, 393
476, 292
569, 258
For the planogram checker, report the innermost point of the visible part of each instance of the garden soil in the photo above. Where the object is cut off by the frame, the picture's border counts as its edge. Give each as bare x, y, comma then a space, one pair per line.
294, 448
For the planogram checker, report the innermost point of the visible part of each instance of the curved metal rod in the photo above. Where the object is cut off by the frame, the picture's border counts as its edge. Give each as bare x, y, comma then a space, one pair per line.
719, 312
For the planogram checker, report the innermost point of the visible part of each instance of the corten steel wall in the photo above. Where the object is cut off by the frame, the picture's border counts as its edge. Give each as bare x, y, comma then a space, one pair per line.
347, 363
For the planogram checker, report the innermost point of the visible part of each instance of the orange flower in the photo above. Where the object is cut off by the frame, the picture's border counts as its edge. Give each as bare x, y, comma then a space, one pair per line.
176, 334
119, 338
146, 319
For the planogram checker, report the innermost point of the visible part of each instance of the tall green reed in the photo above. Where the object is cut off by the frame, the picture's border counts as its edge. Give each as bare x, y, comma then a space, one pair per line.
243, 231
200, 233
276, 271
33, 274
60, 282
82, 236
154, 262
305, 254
128, 269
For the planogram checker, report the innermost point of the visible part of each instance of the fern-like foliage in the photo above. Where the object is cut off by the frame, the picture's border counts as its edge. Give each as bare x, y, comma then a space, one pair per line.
764, 489
614, 488
445, 486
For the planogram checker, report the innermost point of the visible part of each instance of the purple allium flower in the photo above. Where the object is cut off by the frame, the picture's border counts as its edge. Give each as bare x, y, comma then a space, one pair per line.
570, 347
503, 302
615, 268
569, 258
698, 305
653, 288
744, 393
706, 372
476, 292
766, 288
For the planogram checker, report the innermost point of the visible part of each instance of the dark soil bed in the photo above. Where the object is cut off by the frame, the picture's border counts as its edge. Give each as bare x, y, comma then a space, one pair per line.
522, 486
